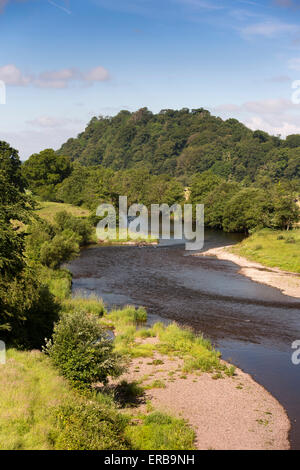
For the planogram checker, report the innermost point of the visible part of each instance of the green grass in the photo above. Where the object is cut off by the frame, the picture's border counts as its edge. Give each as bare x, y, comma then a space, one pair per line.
159, 431
90, 305
197, 352
48, 210
276, 249
59, 281
30, 389
40, 411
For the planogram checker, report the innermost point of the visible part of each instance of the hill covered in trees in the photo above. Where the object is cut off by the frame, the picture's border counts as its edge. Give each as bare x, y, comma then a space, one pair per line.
182, 143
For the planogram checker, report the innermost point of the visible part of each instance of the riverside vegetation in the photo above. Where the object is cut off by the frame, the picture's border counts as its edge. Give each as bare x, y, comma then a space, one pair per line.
246, 180
50, 398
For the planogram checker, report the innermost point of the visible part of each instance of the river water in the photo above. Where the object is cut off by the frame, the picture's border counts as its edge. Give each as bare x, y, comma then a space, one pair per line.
252, 324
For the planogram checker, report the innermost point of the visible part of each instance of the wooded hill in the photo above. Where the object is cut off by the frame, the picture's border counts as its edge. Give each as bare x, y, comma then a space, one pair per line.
182, 143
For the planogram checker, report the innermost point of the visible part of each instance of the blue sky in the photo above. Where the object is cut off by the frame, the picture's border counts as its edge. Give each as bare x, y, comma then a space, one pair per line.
64, 61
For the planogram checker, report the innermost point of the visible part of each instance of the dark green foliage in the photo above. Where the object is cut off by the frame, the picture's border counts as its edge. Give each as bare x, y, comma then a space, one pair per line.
178, 143
27, 310
44, 170
82, 351
11, 165
90, 426
85, 186
234, 207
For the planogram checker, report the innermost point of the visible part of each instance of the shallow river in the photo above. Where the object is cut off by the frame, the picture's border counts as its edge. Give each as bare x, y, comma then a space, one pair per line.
252, 324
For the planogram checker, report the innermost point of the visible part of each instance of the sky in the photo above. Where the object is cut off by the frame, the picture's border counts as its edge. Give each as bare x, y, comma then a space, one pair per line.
64, 61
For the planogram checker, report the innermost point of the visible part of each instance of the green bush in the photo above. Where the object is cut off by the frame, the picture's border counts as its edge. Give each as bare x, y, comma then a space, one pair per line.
82, 228
90, 426
82, 351
61, 248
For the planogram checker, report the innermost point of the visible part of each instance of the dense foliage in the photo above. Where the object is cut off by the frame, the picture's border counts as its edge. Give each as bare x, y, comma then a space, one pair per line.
181, 143
44, 171
27, 309
82, 351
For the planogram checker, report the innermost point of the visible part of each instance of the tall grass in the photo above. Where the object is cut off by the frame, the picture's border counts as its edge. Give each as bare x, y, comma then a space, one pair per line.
30, 388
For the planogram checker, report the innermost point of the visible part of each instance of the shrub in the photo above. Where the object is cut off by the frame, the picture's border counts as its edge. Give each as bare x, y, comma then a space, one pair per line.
90, 426
60, 249
82, 351
82, 228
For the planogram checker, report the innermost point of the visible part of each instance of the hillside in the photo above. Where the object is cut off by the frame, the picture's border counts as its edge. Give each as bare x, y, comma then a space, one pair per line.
181, 143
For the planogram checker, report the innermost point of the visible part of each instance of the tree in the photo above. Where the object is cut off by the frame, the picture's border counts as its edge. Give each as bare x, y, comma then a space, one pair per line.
25, 316
44, 170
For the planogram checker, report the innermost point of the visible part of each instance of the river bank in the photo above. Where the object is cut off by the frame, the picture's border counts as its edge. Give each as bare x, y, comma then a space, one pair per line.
181, 374
288, 283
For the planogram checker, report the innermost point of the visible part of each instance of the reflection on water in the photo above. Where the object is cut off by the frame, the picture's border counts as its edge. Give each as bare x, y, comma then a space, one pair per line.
251, 323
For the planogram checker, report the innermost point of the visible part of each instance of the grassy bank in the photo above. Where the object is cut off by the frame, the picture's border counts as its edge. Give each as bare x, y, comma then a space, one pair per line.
276, 249
41, 410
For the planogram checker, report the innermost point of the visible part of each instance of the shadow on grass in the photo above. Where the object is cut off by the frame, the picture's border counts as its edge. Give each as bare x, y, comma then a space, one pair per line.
126, 394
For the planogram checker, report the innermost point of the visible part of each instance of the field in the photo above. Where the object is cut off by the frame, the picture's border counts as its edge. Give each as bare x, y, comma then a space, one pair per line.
48, 210
276, 249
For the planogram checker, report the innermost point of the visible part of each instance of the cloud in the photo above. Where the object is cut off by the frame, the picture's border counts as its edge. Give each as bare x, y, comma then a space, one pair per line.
97, 74
12, 75
52, 122
269, 29
272, 106
275, 116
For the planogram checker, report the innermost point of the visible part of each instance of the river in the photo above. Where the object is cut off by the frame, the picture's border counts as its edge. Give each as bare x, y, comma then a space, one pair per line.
252, 324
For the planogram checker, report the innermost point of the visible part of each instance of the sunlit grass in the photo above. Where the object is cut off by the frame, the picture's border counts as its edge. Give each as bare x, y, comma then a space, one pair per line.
277, 249
30, 389
48, 210
159, 431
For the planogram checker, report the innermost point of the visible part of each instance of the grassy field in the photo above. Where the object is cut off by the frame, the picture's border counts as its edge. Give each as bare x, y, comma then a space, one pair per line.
48, 210
272, 248
30, 388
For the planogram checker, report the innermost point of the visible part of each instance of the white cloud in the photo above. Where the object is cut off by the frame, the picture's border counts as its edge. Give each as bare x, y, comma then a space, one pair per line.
98, 74
12, 75
269, 29
275, 116
52, 122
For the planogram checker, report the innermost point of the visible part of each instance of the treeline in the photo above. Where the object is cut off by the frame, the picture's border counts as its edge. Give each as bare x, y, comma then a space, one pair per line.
230, 205
182, 143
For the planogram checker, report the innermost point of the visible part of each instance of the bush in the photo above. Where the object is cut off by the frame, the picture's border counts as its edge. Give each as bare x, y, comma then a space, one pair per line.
90, 426
28, 312
82, 228
82, 351
62, 248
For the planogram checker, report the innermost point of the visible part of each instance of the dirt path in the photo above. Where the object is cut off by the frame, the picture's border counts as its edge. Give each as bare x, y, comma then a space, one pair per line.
228, 413
287, 282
